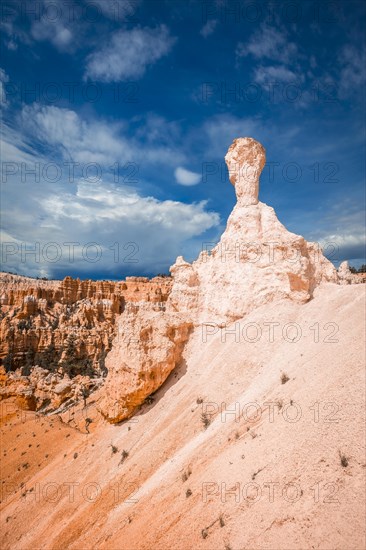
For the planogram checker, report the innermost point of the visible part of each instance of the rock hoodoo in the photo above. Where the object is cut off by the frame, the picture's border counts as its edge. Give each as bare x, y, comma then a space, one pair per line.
257, 261
245, 161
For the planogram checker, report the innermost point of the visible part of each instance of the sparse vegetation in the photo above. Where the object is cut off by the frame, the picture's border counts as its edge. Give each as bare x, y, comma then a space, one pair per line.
284, 378
87, 422
256, 473
205, 419
279, 403
361, 269
124, 455
186, 474
344, 459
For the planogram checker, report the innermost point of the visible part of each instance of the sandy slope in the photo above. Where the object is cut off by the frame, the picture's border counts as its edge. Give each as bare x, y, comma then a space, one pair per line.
288, 487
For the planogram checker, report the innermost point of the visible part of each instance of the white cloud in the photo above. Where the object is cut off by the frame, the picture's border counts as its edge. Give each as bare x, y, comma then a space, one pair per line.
104, 214
56, 33
54, 25
271, 74
353, 70
80, 140
209, 27
269, 43
118, 10
186, 177
128, 54
83, 211
100, 141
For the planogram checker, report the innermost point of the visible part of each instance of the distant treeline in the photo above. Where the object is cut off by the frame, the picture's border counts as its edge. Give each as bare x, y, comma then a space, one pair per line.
361, 269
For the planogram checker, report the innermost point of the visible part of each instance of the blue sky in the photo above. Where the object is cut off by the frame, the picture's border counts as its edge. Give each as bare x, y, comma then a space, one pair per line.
117, 114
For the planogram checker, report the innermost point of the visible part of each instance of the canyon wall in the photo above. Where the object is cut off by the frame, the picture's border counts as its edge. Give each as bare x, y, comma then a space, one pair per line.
256, 262
56, 330
64, 339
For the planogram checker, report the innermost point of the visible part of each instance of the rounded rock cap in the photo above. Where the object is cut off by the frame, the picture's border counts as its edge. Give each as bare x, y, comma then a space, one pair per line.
245, 160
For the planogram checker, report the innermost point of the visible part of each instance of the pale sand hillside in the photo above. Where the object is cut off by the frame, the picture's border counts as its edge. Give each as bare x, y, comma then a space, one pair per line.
167, 443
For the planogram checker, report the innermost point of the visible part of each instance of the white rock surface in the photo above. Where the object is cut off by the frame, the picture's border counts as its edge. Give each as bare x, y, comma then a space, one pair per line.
256, 261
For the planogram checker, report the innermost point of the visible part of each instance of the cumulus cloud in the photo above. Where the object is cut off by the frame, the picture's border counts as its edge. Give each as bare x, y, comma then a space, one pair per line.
147, 233
128, 54
277, 56
118, 10
56, 33
186, 177
131, 231
269, 42
54, 25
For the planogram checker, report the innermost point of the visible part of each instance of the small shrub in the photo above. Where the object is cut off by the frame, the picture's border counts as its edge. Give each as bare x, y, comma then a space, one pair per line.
124, 455
186, 475
188, 493
199, 400
114, 449
75, 455
204, 533
284, 378
222, 522
205, 419
344, 459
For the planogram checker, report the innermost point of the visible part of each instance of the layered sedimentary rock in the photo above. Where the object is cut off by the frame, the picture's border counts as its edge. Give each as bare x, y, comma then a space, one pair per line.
135, 330
257, 261
148, 346
46, 391
65, 328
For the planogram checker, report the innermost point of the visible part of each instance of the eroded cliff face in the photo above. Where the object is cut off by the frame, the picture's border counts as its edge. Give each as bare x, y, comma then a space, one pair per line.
134, 331
55, 335
147, 348
256, 262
